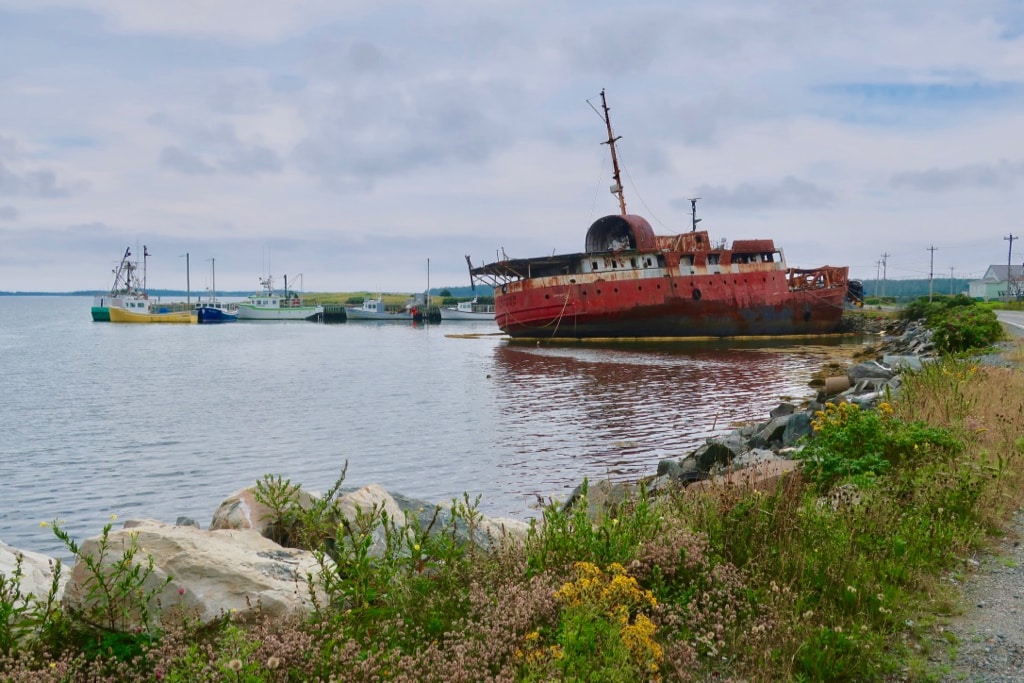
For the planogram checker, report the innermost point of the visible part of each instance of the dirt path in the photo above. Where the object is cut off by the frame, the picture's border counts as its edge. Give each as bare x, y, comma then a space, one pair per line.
988, 636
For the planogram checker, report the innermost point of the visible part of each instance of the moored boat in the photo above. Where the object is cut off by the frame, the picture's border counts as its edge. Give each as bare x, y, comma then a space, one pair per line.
127, 287
630, 283
269, 304
468, 310
140, 311
208, 312
214, 311
376, 309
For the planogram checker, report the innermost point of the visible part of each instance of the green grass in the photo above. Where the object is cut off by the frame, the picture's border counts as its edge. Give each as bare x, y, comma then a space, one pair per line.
838, 573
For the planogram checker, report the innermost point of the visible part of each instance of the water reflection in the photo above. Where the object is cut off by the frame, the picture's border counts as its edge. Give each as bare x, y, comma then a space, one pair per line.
615, 411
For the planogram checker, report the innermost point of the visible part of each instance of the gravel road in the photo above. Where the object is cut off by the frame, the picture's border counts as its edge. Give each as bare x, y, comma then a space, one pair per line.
989, 633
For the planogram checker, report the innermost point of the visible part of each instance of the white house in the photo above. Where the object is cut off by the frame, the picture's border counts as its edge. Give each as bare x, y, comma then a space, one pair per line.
994, 285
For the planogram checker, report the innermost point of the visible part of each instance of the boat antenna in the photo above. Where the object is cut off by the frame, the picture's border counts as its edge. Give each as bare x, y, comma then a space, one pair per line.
693, 213
145, 255
617, 187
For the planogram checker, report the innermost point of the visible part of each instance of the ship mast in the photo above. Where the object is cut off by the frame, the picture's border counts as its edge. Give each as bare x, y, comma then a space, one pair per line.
617, 187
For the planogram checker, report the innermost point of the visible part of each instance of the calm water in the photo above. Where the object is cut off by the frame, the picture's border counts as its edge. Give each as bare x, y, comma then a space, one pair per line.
167, 420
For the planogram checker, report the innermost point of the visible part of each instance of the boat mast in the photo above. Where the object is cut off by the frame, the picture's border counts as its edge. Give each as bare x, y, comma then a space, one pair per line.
617, 187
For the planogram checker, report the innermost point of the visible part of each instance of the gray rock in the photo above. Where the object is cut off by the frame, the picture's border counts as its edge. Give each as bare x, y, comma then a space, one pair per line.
717, 452
902, 362
770, 433
868, 369
797, 427
783, 409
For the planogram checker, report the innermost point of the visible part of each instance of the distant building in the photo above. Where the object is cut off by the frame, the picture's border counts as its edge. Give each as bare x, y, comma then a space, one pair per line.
998, 283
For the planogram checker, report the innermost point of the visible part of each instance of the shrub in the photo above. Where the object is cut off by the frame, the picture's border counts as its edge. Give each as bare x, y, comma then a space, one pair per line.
964, 328
850, 442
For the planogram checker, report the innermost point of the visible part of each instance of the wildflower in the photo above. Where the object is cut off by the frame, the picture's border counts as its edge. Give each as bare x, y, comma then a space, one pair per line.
44, 524
416, 547
273, 662
235, 665
113, 518
181, 591
851, 589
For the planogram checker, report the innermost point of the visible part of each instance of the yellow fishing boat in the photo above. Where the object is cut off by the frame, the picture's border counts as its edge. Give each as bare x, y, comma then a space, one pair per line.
147, 312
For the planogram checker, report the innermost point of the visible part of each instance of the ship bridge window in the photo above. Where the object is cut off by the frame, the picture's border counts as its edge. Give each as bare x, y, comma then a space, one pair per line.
686, 260
647, 262
593, 265
712, 259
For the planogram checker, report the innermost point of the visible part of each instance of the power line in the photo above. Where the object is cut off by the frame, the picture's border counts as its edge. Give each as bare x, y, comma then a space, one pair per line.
884, 257
931, 272
1009, 258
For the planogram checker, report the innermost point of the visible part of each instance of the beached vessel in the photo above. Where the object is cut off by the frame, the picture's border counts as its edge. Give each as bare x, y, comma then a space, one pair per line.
269, 304
630, 283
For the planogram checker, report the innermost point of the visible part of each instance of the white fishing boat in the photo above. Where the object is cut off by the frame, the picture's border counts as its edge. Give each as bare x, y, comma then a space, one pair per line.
269, 304
468, 310
375, 309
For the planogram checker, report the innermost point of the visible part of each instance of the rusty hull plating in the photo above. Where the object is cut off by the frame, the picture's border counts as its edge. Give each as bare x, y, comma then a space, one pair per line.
631, 283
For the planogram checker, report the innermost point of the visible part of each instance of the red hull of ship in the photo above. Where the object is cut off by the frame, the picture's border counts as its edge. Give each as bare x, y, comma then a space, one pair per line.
631, 283
666, 307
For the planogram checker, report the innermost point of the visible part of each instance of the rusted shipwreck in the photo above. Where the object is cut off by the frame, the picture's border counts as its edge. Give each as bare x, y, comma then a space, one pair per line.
630, 283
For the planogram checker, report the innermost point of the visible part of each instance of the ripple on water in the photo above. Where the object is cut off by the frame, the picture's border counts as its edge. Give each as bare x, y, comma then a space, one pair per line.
151, 422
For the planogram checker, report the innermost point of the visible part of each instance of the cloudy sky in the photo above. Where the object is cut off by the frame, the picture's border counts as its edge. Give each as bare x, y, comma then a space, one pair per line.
353, 142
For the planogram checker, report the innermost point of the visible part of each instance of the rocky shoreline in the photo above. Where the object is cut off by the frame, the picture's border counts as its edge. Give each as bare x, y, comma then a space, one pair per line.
234, 566
760, 452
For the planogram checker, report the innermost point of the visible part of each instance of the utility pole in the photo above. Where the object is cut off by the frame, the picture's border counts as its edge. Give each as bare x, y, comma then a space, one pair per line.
1009, 257
878, 270
884, 258
951, 280
931, 273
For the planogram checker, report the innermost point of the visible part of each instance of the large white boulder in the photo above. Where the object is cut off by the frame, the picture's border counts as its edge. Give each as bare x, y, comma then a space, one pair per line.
241, 510
36, 571
212, 573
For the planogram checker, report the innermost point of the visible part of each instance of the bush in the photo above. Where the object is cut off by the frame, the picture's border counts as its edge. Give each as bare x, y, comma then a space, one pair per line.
850, 442
965, 328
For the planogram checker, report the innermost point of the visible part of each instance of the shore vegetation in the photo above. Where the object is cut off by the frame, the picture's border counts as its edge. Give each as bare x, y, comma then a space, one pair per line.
836, 572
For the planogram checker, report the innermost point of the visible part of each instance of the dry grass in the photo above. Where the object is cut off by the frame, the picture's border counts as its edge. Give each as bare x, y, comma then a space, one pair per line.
986, 405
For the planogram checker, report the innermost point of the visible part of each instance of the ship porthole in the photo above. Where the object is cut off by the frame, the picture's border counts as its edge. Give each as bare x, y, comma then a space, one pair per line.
696, 295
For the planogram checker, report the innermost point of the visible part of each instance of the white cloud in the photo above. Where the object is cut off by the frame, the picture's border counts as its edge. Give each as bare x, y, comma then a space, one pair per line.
357, 140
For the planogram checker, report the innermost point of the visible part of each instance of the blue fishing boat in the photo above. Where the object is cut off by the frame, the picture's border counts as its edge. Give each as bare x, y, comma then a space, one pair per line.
211, 310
